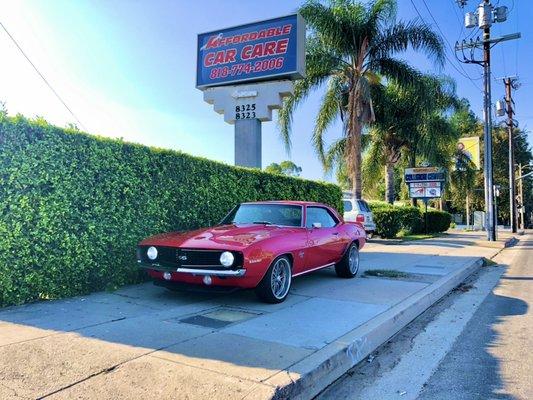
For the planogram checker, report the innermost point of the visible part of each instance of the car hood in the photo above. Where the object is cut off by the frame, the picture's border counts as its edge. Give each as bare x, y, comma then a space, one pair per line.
228, 237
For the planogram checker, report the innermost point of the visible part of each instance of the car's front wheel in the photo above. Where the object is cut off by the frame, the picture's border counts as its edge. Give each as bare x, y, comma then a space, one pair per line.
349, 265
276, 284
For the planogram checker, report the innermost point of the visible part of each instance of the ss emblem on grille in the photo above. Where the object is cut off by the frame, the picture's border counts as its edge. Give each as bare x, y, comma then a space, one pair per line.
182, 258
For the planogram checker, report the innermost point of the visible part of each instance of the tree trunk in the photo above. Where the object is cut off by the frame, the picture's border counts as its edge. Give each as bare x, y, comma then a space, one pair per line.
389, 182
354, 146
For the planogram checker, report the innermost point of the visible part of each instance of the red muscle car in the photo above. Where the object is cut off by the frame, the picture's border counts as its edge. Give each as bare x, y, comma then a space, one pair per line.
260, 245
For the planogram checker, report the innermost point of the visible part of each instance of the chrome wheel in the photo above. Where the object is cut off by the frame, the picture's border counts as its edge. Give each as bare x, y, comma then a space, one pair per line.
280, 279
353, 260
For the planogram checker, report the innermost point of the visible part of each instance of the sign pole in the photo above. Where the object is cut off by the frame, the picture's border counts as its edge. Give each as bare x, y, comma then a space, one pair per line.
248, 143
426, 215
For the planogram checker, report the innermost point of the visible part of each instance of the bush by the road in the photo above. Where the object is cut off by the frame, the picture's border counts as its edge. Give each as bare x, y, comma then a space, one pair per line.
388, 222
74, 206
438, 221
391, 219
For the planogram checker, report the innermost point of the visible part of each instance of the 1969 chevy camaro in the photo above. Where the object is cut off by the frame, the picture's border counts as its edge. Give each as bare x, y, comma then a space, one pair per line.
260, 245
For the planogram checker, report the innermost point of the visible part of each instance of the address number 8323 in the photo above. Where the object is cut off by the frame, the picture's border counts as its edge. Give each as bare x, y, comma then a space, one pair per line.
245, 111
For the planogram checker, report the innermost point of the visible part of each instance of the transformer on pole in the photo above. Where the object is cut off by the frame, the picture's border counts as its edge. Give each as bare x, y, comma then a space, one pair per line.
485, 15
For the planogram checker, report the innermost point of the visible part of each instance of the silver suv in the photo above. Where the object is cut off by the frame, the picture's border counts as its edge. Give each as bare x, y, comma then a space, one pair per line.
359, 211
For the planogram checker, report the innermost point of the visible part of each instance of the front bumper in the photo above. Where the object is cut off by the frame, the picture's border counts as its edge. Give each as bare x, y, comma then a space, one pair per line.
196, 271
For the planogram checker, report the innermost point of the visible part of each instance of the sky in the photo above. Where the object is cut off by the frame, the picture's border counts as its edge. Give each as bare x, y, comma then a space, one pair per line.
126, 68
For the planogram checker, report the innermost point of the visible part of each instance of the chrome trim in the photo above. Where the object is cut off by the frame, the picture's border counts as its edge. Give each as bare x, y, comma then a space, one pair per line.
314, 269
192, 271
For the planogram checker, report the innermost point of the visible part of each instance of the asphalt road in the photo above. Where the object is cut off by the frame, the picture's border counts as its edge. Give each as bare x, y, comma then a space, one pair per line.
493, 358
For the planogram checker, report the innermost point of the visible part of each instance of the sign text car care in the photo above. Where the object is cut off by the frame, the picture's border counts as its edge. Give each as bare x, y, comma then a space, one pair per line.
245, 72
257, 51
425, 182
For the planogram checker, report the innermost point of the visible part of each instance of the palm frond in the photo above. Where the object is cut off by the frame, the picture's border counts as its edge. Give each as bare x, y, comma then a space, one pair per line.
401, 36
398, 70
320, 64
329, 110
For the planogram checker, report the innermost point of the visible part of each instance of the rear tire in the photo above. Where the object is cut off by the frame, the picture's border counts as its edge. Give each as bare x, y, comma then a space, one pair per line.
276, 284
349, 265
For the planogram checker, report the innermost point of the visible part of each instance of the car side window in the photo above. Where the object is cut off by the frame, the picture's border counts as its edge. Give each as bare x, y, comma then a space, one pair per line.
363, 206
320, 215
347, 205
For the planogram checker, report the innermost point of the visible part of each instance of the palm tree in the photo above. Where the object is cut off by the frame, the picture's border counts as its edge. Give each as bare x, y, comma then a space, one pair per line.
411, 121
350, 46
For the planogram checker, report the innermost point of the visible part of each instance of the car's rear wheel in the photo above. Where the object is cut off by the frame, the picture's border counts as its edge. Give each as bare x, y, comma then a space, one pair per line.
349, 265
276, 284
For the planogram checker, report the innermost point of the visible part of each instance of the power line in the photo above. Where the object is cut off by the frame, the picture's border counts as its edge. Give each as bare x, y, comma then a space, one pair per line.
42, 76
446, 39
463, 73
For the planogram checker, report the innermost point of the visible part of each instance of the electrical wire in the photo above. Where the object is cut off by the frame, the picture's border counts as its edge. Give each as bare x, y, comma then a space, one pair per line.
42, 76
446, 39
463, 73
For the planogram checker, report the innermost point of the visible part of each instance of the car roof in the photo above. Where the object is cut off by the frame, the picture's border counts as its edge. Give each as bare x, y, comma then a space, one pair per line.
288, 202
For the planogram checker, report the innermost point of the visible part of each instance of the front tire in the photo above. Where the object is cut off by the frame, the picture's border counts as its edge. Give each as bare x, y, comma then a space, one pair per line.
349, 265
276, 284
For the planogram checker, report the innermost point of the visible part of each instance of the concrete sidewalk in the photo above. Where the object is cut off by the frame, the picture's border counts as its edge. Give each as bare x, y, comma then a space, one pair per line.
145, 342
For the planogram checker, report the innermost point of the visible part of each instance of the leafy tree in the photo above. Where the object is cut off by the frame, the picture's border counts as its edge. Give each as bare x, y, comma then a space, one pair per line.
350, 46
284, 168
409, 120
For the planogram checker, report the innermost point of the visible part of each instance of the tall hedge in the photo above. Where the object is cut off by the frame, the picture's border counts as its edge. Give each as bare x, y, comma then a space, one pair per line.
73, 206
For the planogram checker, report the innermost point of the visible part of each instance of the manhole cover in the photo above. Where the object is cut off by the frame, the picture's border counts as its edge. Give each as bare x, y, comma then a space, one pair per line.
218, 318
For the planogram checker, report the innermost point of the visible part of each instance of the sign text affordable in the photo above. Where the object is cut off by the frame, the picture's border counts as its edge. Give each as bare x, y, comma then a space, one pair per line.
266, 50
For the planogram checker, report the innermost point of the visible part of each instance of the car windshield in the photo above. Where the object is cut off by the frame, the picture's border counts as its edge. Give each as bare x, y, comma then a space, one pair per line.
268, 214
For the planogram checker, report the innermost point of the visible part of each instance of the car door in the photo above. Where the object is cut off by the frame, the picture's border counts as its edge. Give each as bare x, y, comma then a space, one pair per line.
324, 238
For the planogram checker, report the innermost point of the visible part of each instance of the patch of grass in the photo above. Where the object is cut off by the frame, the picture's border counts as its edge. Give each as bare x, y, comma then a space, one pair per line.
386, 273
419, 236
488, 262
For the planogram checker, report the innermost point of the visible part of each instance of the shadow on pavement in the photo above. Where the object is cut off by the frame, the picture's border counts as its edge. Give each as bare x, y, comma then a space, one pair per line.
47, 346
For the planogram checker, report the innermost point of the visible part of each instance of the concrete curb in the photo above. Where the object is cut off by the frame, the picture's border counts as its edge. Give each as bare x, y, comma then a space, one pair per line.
310, 376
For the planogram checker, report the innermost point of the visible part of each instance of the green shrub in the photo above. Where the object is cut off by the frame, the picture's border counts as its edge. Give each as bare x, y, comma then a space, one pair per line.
74, 206
388, 222
412, 220
438, 221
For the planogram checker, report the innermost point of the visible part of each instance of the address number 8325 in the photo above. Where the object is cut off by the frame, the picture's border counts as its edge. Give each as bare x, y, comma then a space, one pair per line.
245, 111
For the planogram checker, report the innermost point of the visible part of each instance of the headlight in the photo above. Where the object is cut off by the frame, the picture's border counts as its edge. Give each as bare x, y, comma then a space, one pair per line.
151, 253
226, 259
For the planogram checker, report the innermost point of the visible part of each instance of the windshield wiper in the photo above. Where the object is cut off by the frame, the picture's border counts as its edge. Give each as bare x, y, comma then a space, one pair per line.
262, 222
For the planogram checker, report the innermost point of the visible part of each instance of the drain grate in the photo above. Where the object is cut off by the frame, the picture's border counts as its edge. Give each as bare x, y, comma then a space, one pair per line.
219, 318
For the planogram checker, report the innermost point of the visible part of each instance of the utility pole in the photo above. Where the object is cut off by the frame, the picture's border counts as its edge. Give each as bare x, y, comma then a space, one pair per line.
485, 15
521, 191
485, 21
510, 83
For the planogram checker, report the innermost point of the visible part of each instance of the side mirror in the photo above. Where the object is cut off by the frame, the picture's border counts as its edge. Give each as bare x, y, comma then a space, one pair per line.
317, 225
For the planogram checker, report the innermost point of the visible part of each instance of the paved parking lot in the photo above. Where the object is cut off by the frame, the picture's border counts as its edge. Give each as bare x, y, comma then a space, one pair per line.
144, 342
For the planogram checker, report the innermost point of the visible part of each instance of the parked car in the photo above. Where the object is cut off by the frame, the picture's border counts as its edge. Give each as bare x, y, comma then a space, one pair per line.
260, 245
359, 211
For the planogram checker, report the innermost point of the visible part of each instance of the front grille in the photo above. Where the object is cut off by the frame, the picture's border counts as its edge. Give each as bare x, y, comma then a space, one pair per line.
188, 258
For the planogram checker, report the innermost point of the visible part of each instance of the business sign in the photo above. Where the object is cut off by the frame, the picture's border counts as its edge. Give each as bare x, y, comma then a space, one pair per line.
424, 174
260, 51
470, 149
424, 192
425, 182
